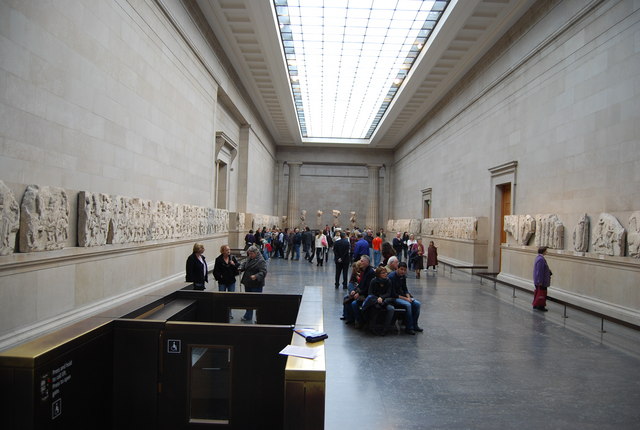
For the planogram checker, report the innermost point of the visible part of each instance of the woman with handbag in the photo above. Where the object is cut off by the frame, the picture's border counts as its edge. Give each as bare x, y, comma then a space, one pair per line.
321, 246
418, 263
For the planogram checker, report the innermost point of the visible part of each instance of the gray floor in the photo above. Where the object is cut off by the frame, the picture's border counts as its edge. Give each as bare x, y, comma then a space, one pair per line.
484, 361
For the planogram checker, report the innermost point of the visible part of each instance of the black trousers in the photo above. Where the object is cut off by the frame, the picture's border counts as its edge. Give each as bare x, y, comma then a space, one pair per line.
342, 267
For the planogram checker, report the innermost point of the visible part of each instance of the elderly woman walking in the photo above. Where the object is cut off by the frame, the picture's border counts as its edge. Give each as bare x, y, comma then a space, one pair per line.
255, 271
541, 280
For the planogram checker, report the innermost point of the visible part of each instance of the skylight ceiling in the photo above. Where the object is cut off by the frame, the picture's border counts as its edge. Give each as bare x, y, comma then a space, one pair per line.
347, 59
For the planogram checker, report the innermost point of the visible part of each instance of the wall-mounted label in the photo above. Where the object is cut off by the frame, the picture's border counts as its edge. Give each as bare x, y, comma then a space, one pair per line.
174, 346
56, 409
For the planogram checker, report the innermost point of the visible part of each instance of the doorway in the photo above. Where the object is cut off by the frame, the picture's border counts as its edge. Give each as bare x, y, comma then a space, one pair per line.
504, 190
503, 181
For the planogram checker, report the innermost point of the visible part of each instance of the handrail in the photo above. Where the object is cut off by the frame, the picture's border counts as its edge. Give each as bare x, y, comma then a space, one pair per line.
564, 303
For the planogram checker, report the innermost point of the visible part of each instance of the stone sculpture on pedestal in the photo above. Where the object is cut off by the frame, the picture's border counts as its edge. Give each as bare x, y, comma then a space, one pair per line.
303, 217
319, 218
336, 216
353, 219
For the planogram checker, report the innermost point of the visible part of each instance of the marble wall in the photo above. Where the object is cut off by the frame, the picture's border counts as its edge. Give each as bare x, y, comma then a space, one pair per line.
559, 96
114, 99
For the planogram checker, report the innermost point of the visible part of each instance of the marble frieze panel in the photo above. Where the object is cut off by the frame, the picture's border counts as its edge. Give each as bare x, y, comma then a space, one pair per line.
581, 234
9, 220
411, 225
608, 236
521, 227
633, 237
105, 219
44, 219
549, 231
260, 220
451, 227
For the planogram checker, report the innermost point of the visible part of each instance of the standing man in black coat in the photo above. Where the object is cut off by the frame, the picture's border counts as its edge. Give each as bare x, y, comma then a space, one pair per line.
307, 244
341, 250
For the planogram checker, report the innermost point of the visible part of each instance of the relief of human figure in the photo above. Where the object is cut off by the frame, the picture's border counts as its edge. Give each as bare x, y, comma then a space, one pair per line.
608, 236
44, 219
9, 220
633, 238
581, 234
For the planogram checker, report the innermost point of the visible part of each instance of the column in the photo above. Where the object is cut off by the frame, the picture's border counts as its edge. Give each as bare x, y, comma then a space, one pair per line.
373, 196
293, 211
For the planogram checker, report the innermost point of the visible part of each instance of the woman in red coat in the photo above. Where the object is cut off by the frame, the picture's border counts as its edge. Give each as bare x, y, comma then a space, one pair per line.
432, 256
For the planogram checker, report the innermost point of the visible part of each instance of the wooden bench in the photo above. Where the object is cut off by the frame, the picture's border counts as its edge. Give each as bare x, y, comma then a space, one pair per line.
493, 277
453, 265
398, 315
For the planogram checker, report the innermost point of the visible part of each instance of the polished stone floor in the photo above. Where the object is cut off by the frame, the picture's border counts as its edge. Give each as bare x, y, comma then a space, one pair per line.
484, 361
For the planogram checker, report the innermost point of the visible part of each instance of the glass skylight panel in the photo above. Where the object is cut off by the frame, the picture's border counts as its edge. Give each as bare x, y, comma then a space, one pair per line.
348, 58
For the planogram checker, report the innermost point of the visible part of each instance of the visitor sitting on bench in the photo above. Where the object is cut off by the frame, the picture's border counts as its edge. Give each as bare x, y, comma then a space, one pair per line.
352, 311
403, 299
379, 300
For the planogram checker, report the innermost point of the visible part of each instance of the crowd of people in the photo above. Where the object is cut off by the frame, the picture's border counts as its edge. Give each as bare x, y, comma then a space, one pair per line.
375, 290
376, 286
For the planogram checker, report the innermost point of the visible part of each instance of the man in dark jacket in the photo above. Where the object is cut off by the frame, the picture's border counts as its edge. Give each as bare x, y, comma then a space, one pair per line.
362, 291
341, 258
404, 299
296, 241
308, 239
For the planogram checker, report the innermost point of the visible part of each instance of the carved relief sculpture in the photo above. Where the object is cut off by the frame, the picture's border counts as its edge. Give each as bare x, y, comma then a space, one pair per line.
411, 226
9, 220
511, 226
581, 234
452, 227
283, 220
240, 221
526, 228
94, 215
608, 236
633, 238
336, 217
521, 227
390, 225
104, 219
549, 231
44, 219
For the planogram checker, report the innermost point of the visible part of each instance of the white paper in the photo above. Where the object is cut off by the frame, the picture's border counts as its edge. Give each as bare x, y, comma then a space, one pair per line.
300, 351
